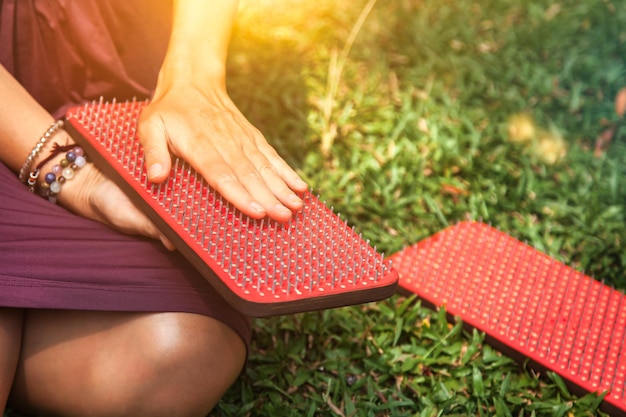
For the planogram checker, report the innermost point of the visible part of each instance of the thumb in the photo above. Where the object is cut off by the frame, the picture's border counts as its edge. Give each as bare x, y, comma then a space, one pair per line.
154, 139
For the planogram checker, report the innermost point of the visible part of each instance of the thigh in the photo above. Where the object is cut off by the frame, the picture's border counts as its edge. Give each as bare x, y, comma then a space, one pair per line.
108, 363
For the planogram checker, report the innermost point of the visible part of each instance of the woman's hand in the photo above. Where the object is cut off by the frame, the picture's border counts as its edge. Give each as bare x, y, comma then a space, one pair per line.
93, 195
90, 193
191, 116
205, 128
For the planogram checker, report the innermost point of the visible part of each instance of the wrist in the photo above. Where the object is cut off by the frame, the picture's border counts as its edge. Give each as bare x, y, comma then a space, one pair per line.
58, 170
35, 154
76, 195
198, 44
182, 69
61, 138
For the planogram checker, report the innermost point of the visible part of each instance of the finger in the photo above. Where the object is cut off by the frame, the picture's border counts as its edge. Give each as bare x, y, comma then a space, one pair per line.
230, 171
261, 189
259, 178
291, 177
154, 138
275, 183
150, 230
224, 181
114, 208
244, 187
167, 243
141, 222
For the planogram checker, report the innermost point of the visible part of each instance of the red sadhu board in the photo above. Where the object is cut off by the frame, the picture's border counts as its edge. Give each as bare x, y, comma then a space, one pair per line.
262, 267
528, 305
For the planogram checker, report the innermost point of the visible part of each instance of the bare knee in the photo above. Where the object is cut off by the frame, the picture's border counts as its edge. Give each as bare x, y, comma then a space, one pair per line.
166, 364
181, 366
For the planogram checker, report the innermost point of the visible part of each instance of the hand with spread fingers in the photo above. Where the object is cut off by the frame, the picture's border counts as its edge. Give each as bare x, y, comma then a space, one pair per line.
191, 116
208, 131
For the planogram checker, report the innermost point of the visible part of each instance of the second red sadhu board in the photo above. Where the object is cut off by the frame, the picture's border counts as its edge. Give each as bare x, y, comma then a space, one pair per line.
528, 304
262, 267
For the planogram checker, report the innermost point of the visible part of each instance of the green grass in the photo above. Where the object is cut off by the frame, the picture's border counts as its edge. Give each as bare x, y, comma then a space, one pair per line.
413, 138
407, 134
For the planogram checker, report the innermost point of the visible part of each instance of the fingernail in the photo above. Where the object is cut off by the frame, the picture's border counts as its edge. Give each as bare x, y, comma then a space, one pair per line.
294, 198
257, 207
282, 209
301, 183
155, 170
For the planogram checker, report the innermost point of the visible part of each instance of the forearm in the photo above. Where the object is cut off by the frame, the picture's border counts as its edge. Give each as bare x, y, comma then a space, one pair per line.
22, 122
199, 41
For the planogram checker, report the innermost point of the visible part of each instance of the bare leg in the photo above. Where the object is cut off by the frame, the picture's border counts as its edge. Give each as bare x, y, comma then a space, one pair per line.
10, 342
124, 364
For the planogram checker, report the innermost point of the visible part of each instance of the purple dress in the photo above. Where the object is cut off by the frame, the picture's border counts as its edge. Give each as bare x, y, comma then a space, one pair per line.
65, 52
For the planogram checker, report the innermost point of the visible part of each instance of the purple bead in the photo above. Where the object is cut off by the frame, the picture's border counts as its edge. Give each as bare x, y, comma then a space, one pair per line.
78, 151
57, 169
50, 178
70, 156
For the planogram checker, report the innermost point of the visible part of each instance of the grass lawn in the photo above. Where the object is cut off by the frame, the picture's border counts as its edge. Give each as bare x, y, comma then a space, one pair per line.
408, 116
437, 111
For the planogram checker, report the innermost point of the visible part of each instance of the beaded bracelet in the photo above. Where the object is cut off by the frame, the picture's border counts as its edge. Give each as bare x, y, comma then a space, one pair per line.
59, 173
54, 127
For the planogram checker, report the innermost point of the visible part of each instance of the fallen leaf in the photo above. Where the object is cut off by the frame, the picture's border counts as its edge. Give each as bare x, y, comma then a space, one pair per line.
620, 102
454, 190
603, 140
